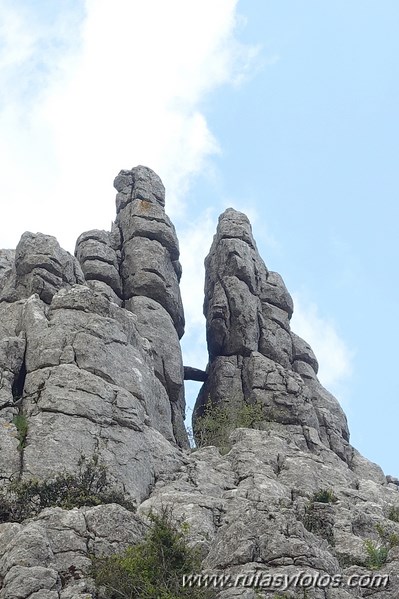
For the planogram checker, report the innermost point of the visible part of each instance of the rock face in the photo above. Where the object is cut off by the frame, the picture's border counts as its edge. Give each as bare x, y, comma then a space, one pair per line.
88, 366
39, 265
91, 366
150, 252
255, 359
136, 266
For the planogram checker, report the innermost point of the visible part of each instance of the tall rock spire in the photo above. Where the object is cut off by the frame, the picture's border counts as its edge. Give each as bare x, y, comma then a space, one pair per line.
137, 266
254, 358
150, 264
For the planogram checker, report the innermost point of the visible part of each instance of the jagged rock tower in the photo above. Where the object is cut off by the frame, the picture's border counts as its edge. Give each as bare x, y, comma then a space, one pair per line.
90, 365
254, 357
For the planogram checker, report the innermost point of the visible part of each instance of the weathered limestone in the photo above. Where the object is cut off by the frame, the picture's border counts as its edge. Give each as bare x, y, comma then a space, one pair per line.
89, 375
90, 358
90, 387
99, 255
254, 356
40, 266
155, 325
50, 554
137, 266
150, 251
7, 259
253, 512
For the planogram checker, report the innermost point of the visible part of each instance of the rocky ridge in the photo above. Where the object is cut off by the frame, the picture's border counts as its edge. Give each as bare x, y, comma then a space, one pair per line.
90, 358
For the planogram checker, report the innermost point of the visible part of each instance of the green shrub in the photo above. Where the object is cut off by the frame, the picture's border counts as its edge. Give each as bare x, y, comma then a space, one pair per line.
26, 498
393, 514
377, 555
152, 569
324, 496
214, 426
21, 423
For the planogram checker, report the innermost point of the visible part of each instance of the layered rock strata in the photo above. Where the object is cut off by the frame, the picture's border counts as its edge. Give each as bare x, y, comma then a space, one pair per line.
136, 266
254, 358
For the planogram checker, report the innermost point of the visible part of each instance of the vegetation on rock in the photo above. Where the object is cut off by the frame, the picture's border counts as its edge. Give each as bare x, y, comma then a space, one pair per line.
377, 553
324, 496
394, 513
152, 569
26, 498
218, 421
21, 423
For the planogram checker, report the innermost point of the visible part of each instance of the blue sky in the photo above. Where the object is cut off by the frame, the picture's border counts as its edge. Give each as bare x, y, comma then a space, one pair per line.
285, 110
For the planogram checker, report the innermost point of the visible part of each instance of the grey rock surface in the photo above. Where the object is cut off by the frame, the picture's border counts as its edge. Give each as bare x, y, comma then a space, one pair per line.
136, 266
150, 249
155, 324
194, 374
254, 512
98, 253
50, 554
87, 371
7, 259
90, 387
40, 266
254, 358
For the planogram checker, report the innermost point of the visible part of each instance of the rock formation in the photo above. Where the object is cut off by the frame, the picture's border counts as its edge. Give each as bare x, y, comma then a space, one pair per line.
254, 356
88, 354
90, 365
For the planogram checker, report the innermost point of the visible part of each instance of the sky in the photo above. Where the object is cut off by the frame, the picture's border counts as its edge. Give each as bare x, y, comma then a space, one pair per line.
287, 111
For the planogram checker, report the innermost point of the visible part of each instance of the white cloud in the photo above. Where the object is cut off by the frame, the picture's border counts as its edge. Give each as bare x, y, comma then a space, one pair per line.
195, 242
333, 354
123, 86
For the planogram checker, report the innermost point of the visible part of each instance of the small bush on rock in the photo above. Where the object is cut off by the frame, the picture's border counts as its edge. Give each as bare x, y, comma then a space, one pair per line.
324, 496
393, 513
26, 498
21, 423
218, 421
377, 553
390, 539
152, 569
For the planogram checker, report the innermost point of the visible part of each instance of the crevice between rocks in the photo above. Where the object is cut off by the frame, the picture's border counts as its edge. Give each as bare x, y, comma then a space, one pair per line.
98, 259
20, 420
120, 264
18, 385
